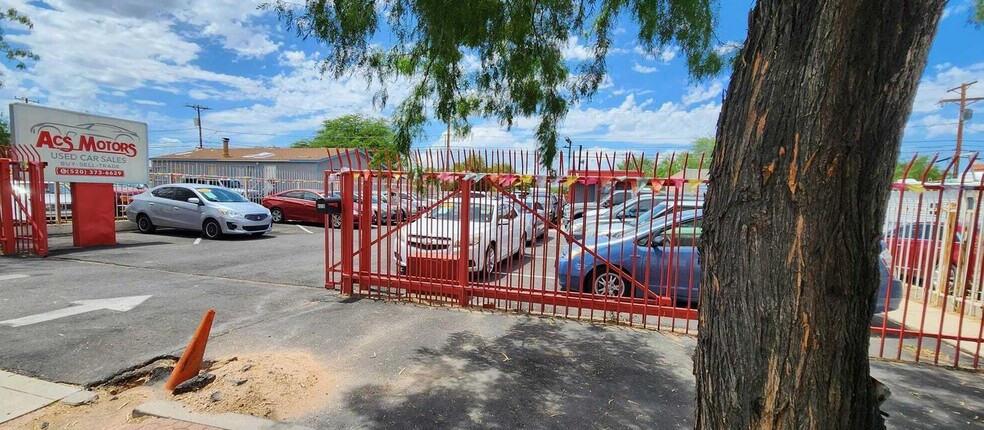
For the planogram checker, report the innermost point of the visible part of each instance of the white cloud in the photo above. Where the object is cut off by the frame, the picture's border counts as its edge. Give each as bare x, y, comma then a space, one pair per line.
702, 93
959, 8
574, 50
934, 87
149, 102
636, 67
666, 54
727, 47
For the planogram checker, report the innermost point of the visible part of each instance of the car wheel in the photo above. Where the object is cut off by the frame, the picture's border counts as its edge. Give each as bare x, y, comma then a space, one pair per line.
211, 229
491, 261
335, 220
277, 214
608, 283
145, 225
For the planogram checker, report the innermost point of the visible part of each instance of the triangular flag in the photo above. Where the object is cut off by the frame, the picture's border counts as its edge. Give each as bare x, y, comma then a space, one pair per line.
445, 177
480, 176
508, 180
915, 188
656, 185
469, 177
494, 178
590, 181
526, 179
570, 180
693, 185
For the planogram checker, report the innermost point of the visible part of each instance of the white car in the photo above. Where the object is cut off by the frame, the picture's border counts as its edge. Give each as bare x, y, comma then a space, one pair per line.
496, 232
51, 203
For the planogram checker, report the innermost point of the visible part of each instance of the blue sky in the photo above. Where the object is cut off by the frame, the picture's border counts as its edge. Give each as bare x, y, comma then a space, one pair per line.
146, 60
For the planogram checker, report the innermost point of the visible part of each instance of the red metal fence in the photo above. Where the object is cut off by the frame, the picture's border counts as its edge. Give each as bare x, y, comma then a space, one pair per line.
23, 228
616, 241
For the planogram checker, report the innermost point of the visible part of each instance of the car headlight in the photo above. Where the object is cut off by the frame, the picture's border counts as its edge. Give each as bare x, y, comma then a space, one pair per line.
229, 213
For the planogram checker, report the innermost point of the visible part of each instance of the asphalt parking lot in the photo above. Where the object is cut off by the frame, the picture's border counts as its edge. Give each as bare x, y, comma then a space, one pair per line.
396, 365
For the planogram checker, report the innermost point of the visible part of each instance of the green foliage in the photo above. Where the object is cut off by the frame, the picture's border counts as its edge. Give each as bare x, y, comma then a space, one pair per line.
351, 131
520, 69
16, 55
699, 156
977, 14
4, 132
357, 131
919, 166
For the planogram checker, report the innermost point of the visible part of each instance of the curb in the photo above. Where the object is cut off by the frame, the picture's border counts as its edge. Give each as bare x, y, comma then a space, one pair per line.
228, 421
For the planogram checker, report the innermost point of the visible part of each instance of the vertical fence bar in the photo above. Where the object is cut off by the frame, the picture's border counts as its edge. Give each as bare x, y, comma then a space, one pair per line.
9, 240
347, 186
464, 241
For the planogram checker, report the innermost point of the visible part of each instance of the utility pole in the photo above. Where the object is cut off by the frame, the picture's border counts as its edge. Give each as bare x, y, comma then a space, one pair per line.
570, 154
26, 100
198, 121
963, 101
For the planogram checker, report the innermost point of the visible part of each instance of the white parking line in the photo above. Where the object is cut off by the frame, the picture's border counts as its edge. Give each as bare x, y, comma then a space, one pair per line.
302, 228
13, 276
197, 241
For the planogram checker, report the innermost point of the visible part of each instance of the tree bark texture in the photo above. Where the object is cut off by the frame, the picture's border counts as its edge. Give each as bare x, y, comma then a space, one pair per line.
806, 144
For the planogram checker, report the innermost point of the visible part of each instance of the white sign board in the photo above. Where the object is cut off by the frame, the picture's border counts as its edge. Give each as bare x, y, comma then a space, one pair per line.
79, 147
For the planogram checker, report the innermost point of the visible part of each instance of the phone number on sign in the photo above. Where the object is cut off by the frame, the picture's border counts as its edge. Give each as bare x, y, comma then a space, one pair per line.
71, 171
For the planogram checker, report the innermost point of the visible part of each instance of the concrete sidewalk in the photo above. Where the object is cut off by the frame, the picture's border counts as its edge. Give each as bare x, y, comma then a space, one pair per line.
408, 366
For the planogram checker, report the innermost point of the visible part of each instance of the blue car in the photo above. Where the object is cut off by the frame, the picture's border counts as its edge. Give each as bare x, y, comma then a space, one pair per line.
662, 259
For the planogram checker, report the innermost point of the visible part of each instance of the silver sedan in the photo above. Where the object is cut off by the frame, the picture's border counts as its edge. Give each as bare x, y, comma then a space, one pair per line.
210, 209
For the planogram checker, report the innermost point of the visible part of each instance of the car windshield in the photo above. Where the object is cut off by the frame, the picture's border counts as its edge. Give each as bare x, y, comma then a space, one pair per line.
452, 212
220, 195
232, 184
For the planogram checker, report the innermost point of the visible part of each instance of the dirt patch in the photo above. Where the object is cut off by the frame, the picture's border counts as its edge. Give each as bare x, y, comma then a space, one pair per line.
274, 385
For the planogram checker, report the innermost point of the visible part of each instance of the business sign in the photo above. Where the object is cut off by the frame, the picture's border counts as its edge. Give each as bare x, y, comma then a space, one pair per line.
79, 147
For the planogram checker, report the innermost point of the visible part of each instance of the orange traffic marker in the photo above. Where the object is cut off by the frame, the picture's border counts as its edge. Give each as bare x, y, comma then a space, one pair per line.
191, 361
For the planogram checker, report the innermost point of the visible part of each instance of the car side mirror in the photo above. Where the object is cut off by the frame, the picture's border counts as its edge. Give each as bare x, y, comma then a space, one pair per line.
658, 241
195, 201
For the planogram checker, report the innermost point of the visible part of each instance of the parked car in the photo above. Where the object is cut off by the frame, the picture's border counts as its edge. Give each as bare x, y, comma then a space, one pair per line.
297, 205
540, 199
918, 246
212, 210
231, 184
660, 213
665, 258
624, 213
54, 207
496, 232
576, 210
124, 195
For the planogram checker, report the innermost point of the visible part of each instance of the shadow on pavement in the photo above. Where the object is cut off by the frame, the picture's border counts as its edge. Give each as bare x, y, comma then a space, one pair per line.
929, 397
536, 376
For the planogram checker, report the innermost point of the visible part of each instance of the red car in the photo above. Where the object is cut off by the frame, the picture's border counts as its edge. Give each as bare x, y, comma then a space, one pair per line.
297, 205
917, 247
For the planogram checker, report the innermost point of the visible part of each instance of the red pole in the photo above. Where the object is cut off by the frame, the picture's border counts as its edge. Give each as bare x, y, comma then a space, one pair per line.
40, 233
465, 239
348, 205
365, 230
7, 244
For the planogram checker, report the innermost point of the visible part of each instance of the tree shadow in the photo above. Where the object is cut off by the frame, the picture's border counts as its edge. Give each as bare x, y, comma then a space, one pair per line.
930, 397
538, 375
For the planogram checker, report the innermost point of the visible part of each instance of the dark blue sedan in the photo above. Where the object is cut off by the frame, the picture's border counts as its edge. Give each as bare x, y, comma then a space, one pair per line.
662, 259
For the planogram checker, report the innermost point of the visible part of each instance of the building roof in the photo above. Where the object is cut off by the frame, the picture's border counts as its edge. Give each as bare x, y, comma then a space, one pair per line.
259, 154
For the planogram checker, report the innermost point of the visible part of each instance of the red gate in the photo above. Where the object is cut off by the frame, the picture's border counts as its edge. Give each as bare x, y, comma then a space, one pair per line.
23, 211
464, 228
614, 241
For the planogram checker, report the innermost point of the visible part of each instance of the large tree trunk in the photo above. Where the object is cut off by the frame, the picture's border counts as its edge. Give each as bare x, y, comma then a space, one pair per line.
806, 144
